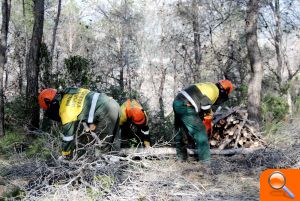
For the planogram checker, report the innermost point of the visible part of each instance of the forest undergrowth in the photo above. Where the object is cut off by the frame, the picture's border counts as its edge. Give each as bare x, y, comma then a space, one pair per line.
112, 177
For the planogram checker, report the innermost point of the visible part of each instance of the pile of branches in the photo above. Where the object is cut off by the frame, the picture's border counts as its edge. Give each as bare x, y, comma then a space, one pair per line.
88, 175
232, 129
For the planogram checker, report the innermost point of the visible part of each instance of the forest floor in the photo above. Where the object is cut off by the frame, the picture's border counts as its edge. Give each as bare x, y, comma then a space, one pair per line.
227, 178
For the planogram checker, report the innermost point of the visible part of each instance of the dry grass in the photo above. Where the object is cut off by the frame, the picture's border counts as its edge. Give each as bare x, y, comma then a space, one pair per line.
123, 178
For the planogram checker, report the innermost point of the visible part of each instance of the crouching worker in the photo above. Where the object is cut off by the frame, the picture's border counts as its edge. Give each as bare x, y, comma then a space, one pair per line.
134, 124
190, 106
98, 112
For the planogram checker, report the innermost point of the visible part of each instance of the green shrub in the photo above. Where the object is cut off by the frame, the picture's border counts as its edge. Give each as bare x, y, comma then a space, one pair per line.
274, 108
122, 95
15, 113
162, 130
79, 70
10, 142
37, 148
42, 147
297, 105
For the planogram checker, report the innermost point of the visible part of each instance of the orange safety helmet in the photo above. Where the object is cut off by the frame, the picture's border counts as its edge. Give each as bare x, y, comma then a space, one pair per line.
138, 116
45, 97
226, 85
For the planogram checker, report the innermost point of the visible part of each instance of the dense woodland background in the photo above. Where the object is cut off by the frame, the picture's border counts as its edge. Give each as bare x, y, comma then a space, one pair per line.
150, 49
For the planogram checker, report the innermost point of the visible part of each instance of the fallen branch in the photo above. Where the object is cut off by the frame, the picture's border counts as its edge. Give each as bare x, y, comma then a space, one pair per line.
172, 151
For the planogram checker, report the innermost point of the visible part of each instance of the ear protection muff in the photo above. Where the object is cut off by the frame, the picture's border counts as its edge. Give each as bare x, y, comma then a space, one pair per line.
53, 111
223, 94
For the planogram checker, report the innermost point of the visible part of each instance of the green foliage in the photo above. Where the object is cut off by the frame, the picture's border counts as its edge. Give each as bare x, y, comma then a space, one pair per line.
284, 88
133, 142
274, 108
122, 95
244, 90
45, 66
15, 193
271, 127
105, 181
41, 146
36, 147
11, 142
15, 113
162, 129
79, 70
297, 105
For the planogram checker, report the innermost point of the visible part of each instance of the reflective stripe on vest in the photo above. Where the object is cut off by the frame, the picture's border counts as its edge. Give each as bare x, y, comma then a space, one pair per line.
189, 98
68, 138
93, 107
145, 132
205, 107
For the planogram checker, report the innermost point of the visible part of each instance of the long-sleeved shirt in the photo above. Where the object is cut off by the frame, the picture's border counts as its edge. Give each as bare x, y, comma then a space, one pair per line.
75, 106
126, 118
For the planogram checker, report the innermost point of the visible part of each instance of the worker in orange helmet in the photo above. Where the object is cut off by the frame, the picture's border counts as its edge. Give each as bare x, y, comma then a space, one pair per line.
134, 124
99, 113
193, 114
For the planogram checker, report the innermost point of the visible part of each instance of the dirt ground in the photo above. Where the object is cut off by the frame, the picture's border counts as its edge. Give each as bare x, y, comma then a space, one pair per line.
226, 178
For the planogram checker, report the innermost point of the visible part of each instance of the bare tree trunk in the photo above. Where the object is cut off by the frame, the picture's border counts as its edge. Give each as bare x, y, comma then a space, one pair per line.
6, 7
279, 53
54, 34
254, 90
32, 64
278, 41
160, 93
129, 76
25, 51
122, 66
197, 42
175, 79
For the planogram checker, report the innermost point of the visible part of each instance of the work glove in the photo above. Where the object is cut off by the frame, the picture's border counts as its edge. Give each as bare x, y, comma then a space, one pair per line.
66, 156
147, 144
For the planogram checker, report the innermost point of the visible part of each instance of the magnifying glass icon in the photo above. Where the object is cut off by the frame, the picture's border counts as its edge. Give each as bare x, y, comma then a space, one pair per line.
277, 181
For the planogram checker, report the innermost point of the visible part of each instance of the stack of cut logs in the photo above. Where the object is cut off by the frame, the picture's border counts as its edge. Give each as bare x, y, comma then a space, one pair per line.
232, 129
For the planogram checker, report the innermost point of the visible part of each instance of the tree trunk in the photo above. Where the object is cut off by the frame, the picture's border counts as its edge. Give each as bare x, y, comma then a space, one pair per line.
121, 77
160, 93
25, 51
254, 55
197, 42
6, 6
32, 64
278, 41
175, 79
54, 34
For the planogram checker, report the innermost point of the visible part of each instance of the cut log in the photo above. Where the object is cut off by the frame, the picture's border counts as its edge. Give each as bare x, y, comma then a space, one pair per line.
225, 143
239, 131
213, 142
228, 139
232, 130
165, 151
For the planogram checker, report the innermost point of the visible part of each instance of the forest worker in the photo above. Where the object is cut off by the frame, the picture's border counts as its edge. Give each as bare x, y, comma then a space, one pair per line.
190, 106
71, 106
134, 123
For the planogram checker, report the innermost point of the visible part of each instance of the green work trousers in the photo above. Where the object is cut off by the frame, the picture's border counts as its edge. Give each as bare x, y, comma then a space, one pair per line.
107, 124
188, 122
